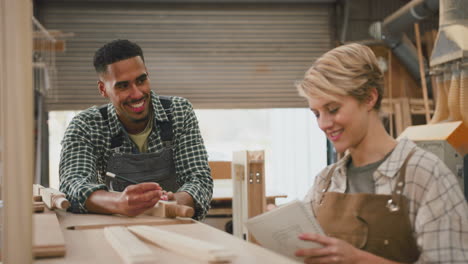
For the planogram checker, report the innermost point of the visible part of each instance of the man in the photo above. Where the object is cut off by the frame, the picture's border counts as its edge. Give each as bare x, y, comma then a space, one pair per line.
139, 137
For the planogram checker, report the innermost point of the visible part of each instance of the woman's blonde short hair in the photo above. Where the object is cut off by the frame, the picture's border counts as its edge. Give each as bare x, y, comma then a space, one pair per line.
350, 69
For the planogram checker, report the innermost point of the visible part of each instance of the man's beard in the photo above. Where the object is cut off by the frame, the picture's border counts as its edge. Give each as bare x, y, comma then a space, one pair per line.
141, 120
145, 118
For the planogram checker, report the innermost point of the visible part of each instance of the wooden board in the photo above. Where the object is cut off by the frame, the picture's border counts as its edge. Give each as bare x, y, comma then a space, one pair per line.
93, 221
96, 250
184, 245
38, 207
48, 240
249, 189
131, 249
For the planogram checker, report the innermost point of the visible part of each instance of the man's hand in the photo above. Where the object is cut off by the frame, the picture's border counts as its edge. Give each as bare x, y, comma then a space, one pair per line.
167, 196
136, 199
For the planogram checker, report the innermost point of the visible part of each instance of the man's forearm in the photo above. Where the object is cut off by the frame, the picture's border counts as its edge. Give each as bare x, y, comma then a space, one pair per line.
184, 198
103, 202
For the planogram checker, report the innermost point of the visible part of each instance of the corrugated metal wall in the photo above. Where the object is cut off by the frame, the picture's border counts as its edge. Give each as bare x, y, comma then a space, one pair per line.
218, 56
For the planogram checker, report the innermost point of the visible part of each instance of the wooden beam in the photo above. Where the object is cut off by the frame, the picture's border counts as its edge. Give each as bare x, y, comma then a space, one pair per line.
38, 207
170, 209
128, 247
390, 89
53, 198
48, 236
97, 221
16, 129
248, 189
184, 245
47, 45
422, 72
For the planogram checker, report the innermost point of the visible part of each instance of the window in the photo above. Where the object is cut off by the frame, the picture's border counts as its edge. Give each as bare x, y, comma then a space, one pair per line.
295, 148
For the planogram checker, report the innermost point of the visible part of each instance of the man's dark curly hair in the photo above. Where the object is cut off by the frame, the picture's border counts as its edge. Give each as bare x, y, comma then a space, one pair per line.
115, 51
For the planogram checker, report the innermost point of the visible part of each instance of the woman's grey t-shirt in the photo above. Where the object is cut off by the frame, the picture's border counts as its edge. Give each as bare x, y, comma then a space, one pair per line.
360, 179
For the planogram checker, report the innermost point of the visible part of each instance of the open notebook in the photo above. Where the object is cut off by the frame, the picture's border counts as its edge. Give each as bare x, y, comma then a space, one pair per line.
278, 229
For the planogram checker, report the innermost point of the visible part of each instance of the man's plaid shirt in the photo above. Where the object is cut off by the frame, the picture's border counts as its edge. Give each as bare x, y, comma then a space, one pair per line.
86, 150
438, 210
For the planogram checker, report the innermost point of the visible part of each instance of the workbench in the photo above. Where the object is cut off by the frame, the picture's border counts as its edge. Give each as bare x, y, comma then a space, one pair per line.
87, 244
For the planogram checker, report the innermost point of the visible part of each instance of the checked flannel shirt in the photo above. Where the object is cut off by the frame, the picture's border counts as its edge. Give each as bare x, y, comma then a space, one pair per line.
86, 150
438, 210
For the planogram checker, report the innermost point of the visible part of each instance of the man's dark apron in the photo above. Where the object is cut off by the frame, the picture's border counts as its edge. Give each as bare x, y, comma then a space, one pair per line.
145, 167
375, 223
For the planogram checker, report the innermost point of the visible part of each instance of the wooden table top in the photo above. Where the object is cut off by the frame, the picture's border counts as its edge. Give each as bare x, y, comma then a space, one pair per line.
86, 242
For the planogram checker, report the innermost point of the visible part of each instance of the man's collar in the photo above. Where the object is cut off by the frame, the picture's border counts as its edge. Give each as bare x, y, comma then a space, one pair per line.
158, 109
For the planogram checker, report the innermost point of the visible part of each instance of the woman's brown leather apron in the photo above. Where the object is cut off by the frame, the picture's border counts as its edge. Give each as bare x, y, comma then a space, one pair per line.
375, 223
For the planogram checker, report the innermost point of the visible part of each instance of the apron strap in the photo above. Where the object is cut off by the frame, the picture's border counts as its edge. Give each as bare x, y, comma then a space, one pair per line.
166, 133
327, 183
397, 193
117, 140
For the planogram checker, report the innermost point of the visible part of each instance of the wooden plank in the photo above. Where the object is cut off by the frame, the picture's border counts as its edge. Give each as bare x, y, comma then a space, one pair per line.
48, 240
256, 185
128, 246
239, 195
184, 245
422, 72
47, 45
97, 221
248, 189
53, 198
38, 207
16, 129
170, 209
398, 117
406, 112
390, 95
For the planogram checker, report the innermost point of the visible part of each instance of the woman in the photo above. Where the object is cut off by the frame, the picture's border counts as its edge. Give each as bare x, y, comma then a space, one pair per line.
386, 201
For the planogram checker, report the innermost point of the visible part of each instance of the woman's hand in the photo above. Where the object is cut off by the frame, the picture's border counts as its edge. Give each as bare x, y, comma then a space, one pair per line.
333, 251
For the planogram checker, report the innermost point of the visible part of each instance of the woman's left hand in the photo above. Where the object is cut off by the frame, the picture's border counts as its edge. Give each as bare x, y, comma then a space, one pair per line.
333, 251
